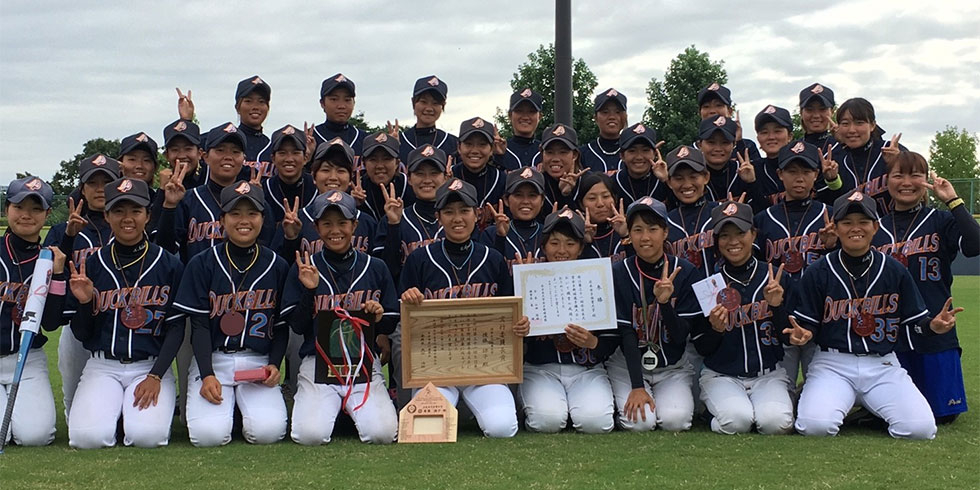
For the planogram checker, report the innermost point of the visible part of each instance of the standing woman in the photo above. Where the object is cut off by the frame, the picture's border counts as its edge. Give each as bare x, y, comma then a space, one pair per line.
742, 382
602, 155
927, 240
862, 162
428, 103
561, 165
474, 271
122, 296
231, 292
816, 105
138, 159
476, 141
522, 149
644, 172
716, 100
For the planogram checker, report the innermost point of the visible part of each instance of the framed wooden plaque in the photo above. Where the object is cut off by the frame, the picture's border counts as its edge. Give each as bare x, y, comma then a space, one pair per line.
470, 341
340, 342
428, 418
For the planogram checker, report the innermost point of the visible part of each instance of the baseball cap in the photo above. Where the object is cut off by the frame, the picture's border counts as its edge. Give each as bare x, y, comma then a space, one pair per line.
334, 199
430, 83
526, 95
565, 215
253, 84
774, 114
715, 90
458, 189
562, 133
427, 153
98, 163
288, 132
139, 141
685, 155
635, 134
610, 95
242, 190
24, 187
737, 213
224, 132
800, 151
120, 190
855, 202
724, 124
526, 175
821, 92
476, 125
646, 203
379, 141
184, 128
336, 145
335, 82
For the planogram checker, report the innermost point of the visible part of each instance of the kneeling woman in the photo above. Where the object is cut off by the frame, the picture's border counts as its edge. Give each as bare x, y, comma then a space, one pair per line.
122, 294
231, 293
340, 277
563, 374
458, 267
743, 383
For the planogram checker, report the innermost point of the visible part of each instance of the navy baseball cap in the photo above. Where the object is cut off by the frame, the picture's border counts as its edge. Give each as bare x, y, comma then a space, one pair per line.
242, 190
288, 132
476, 125
647, 203
224, 132
334, 146
715, 90
427, 153
737, 213
335, 82
802, 152
98, 163
724, 124
526, 96
565, 215
334, 199
610, 95
456, 189
855, 202
820, 92
685, 155
559, 132
120, 190
774, 114
22, 188
380, 141
182, 128
139, 141
637, 133
430, 83
526, 175
253, 84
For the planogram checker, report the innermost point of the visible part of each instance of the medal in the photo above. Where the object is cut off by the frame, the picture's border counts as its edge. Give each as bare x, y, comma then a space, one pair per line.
793, 262
650, 359
562, 344
902, 258
133, 316
863, 324
694, 257
729, 298
232, 323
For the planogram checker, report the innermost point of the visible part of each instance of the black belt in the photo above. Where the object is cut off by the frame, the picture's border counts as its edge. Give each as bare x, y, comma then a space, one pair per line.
231, 350
838, 351
121, 360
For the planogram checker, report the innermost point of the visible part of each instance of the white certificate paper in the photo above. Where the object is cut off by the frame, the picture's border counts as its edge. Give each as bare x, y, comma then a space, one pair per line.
558, 293
707, 292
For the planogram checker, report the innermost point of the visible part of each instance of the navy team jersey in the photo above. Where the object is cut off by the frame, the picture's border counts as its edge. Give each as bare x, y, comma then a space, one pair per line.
87, 242
689, 235
865, 169
521, 152
309, 239
429, 270
822, 140
155, 291
14, 284
522, 238
206, 289
726, 181
750, 345
489, 188
598, 159
785, 228
413, 137
631, 189
393, 244
368, 280
553, 195
374, 203
930, 243
274, 195
556, 349
663, 333
828, 305
327, 131
607, 243
258, 153
768, 179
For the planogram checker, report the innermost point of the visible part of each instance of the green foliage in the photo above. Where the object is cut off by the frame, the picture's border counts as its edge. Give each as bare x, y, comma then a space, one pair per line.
538, 74
66, 178
673, 110
953, 154
797, 124
358, 121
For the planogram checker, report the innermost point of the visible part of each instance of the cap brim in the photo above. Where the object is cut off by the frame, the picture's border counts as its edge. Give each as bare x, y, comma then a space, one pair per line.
238, 140
349, 214
530, 102
637, 138
347, 85
559, 139
825, 101
429, 89
713, 95
766, 118
194, 141
88, 175
738, 222
854, 207
579, 233
299, 142
806, 162
138, 146
139, 200
234, 201
708, 132
695, 166
390, 151
418, 163
512, 188
451, 196
470, 132
263, 90
630, 213
19, 198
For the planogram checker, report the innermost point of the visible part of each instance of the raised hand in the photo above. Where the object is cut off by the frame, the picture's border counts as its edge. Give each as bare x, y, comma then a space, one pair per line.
941, 188
357, 192
76, 222
499, 218
393, 205
738, 127
568, 181
164, 176
946, 319
499, 144
393, 130
664, 288
372, 307
828, 234
581, 337
524, 260
291, 224
173, 190
828, 166
891, 151
185, 105
58, 260
797, 334
741, 198
618, 220
81, 286
308, 275
718, 318
659, 167
746, 171
773, 291
590, 227
310, 140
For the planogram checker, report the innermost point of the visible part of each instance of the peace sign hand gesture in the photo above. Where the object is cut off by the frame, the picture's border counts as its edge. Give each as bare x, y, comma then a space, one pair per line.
741, 198
773, 291
173, 190
254, 177
664, 288
891, 151
75, 219
941, 188
499, 218
569, 180
81, 286
393, 205
499, 144
590, 227
522, 260
393, 130
746, 171
946, 319
738, 127
185, 105
797, 334
828, 166
291, 225
618, 220
310, 140
357, 192
828, 234
307, 272
659, 166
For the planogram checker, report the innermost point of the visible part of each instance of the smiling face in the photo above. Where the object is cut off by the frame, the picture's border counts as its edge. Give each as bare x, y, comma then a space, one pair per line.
127, 221
559, 247
558, 159
427, 110
525, 202
525, 119
854, 133
475, 152
93, 191
815, 117
457, 220
425, 180
599, 202
380, 167
26, 218
611, 120
714, 107
225, 162
252, 110
289, 161
797, 180
717, 150
854, 232
243, 223
639, 159
734, 244
138, 165
772, 138
688, 185
338, 105
906, 189
331, 177
182, 151
647, 235
335, 231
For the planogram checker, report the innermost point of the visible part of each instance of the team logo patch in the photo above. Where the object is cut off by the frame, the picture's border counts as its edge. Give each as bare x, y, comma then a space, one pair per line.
33, 184
683, 152
478, 123
526, 173
125, 186
560, 130
381, 138
340, 78
142, 138
639, 129
180, 126
99, 161
456, 185
335, 197
243, 188
428, 151
646, 201
526, 93
714, 86
566, 213
433, 82
230, 128
612, 93
257, 81
730, 210
798, 147
720, 121
817, 89
770, 110
289, 130
856, 197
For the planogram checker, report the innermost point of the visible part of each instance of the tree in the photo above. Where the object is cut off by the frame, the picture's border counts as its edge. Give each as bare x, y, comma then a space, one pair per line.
798, 132
66, 178
953, 154
538, 74
357, 120
673, 110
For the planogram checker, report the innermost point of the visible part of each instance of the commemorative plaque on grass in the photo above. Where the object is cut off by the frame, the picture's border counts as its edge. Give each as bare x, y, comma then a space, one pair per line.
428, 418
471, 341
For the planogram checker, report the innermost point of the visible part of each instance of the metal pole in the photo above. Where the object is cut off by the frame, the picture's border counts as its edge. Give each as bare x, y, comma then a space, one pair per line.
563, 61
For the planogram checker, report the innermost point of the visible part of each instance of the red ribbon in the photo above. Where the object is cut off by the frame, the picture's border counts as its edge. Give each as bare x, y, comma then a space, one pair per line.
358, 324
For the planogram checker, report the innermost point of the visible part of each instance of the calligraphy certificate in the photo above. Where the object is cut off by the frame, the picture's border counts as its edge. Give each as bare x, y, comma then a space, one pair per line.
574, 291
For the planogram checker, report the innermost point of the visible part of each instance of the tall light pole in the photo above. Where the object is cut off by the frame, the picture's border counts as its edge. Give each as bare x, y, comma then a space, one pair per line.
563, 61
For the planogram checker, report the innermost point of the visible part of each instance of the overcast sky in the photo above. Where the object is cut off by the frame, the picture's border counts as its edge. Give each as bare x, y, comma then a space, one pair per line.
72, 71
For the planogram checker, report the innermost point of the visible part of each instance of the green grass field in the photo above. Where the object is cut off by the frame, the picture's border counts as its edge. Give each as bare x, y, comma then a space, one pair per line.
857, 458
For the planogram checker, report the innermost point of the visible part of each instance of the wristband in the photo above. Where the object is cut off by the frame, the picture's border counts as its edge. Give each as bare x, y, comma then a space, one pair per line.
57, 288
153, 376
834, 184
953, 203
